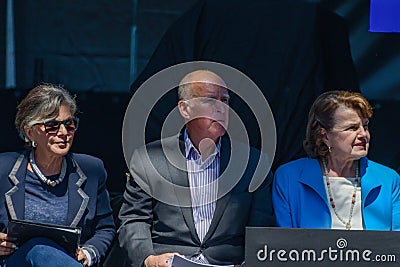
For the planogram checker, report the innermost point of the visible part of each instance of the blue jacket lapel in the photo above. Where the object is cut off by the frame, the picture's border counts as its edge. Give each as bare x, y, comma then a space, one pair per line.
319, 215
370, 183
311, 177
15, 196
371, 189
77, 198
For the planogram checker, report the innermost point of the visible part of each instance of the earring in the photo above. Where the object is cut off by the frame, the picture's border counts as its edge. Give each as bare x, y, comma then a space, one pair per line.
34, 144
330, 149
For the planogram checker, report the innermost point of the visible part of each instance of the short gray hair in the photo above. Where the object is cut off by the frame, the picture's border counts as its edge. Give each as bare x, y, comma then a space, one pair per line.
42, 103
185, 91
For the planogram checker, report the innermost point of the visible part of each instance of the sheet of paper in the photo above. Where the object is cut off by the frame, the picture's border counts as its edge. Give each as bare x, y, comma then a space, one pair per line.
179, 261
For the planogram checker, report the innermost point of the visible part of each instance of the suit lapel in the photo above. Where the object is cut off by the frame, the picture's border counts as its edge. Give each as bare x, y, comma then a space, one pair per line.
180, 177
224, 200
77, 198
15, 199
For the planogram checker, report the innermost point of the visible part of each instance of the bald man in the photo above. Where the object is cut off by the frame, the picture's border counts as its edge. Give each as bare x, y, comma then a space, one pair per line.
187, 195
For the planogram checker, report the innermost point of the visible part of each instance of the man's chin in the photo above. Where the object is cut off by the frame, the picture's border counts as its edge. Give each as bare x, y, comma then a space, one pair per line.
220, 124
219, 132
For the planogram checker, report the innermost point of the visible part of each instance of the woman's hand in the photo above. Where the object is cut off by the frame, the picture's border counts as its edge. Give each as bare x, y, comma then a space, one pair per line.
6, 247
81, 257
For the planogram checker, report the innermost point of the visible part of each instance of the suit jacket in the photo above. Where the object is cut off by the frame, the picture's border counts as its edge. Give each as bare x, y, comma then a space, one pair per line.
300, 199
157, 216
88, 201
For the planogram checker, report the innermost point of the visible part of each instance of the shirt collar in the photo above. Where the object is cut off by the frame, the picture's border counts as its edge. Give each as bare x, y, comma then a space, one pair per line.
191, 151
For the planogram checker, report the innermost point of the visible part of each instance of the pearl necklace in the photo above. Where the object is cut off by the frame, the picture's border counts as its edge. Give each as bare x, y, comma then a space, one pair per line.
332, 202
43, 178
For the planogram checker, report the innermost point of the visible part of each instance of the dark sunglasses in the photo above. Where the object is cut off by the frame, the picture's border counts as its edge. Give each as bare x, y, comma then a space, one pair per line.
53, 126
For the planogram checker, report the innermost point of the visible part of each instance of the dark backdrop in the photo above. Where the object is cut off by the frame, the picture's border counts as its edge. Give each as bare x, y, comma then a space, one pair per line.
87, 47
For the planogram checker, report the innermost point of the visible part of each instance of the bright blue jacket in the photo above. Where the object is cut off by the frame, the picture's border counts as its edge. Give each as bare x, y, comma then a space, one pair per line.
300, 200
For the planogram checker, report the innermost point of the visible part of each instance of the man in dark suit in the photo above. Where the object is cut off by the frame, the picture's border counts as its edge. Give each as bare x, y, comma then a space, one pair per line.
188, 193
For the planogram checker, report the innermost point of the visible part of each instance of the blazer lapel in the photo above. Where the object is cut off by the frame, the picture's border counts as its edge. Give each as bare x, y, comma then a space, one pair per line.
224, 200
15, 199
77, 198
370, 191
369, 183
311, 177
179, 176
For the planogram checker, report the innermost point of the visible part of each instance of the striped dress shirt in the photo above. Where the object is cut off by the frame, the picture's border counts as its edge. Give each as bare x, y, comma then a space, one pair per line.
203, 187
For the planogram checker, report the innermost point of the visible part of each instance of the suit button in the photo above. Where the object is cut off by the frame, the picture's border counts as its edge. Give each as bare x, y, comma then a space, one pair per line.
203, 246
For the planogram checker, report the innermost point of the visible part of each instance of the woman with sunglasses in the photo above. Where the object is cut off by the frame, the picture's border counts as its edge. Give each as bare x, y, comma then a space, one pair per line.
46, 183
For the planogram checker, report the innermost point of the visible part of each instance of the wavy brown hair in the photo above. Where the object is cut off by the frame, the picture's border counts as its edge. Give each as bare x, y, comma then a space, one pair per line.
321, 116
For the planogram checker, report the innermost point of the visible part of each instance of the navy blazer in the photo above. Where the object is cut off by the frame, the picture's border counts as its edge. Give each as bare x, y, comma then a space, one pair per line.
151, 226
88, 200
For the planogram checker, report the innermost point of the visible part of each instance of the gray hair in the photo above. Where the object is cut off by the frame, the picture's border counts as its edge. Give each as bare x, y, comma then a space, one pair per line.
42, 103
185, 91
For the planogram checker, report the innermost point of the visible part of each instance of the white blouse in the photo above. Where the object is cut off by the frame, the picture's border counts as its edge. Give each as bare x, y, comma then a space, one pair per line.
342, 190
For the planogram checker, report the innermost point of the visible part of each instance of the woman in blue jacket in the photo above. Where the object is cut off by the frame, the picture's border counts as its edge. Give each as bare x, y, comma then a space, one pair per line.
48, 184
337, 187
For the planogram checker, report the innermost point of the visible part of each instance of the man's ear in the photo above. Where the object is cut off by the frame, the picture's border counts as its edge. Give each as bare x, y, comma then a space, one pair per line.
184, 109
